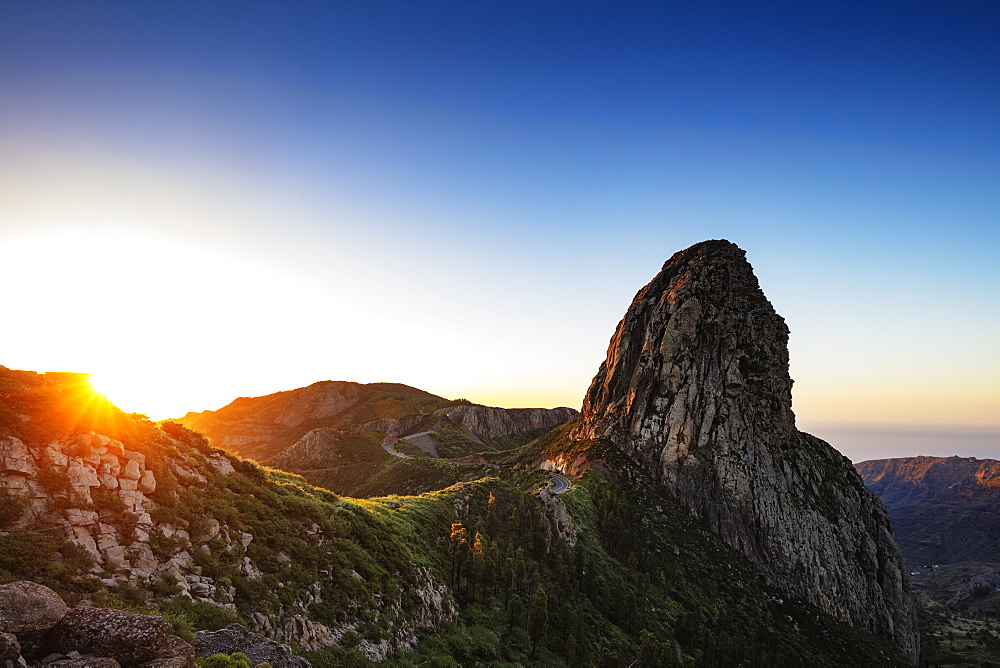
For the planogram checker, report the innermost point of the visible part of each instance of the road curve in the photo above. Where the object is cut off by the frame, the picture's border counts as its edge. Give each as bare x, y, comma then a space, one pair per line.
388, 448
559, 483
390, 445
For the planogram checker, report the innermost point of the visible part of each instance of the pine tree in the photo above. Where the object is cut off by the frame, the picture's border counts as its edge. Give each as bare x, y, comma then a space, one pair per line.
538, 618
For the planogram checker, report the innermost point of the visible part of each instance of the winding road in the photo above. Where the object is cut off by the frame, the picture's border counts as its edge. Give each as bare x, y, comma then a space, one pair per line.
428, 445
559, 483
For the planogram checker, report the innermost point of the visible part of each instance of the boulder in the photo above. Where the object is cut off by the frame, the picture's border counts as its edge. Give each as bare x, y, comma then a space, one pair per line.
10, 649
137, 457
88, 662
15, 457
259, 649
132, 471
127, 637
176, 653
147, 484
29, 608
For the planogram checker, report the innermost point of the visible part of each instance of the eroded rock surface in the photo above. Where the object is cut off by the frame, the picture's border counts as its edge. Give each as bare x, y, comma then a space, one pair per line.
491, 422
127, 637
29, 608
259, 649
695, 389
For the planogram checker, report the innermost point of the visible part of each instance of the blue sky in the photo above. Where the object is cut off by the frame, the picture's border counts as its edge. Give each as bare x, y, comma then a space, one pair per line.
465, 196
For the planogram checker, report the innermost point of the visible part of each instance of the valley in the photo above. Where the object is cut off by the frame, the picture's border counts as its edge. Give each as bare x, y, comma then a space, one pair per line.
945, 513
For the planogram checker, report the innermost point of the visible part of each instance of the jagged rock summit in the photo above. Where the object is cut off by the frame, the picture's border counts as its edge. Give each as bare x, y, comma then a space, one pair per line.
695, 390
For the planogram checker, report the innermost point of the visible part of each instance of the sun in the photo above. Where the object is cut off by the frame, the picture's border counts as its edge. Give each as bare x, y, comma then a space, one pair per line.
132, 393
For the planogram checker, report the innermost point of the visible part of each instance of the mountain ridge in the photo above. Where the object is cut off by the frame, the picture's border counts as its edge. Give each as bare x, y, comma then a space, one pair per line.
263, 427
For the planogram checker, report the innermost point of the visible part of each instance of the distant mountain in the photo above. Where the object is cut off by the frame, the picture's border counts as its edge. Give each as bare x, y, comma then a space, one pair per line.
262, 427
944, 510
945, 513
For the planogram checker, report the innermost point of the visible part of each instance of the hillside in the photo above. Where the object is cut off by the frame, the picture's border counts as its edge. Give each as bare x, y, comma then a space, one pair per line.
263, 428
112, 510
944, 510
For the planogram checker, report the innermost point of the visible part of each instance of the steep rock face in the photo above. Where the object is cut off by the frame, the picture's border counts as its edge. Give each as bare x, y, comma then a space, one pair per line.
695, 390
490, 422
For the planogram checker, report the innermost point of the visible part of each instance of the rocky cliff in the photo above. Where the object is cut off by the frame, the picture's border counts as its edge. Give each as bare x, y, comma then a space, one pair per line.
487, 422
695, 390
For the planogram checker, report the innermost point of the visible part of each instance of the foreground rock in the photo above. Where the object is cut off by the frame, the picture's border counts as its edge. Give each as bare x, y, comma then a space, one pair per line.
259, 649
29, 608
127, 637
695, 390
10, 651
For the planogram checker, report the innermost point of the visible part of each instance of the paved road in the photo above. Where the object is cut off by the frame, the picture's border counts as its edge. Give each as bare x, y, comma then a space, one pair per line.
559, 483
411, 437
388, 448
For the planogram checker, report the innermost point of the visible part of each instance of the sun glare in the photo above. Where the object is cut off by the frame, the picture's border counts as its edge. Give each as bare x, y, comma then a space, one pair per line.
122, 392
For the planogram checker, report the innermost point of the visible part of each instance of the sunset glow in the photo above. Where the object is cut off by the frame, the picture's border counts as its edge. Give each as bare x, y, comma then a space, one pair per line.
215, 221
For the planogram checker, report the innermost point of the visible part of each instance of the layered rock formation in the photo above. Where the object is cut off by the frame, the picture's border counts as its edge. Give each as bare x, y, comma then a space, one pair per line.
487, 422
695, 390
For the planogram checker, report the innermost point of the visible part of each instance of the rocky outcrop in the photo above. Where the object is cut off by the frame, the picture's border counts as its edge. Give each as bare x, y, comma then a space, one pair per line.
236, 638
91, 489
28, 608
695, 391
488, 422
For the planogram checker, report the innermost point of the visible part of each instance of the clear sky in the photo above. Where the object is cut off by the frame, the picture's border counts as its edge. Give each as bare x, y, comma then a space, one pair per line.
200, 200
